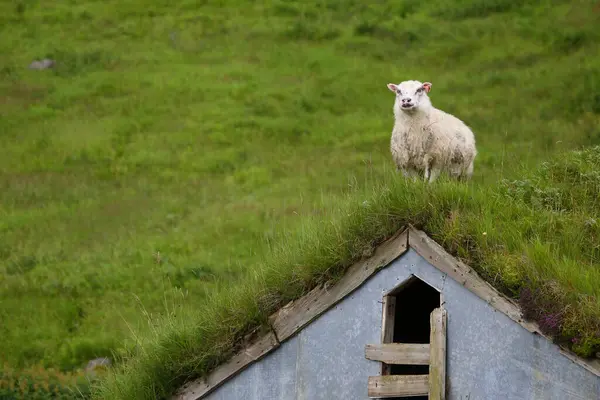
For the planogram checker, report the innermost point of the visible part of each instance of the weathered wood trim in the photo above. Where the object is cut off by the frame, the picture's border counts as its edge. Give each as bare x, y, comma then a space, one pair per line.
398, 385
389, 313
437, 256
387, 327
592, 366
292, 317
297, 314
398, 353
437, 360
255, 351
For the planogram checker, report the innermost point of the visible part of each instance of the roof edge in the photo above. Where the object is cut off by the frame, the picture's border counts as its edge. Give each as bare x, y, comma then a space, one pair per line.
297, 314
437, 256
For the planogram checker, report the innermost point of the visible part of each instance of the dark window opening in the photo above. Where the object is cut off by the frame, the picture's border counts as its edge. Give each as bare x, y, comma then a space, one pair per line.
414, 302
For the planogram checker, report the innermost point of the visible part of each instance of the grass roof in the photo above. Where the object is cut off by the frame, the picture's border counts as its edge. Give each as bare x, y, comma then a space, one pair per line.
153, 166
536, 239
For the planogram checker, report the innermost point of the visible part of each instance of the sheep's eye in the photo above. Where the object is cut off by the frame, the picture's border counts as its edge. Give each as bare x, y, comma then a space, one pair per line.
419, 90
399, 92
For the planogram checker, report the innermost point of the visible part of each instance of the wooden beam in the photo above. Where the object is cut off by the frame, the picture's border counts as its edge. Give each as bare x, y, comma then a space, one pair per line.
399, 353
437, 362
398, 385
387, 327
389, 313
437, 256
297, 314
194, 390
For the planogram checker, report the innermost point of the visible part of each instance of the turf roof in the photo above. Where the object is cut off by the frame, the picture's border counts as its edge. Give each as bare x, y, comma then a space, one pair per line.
535, 239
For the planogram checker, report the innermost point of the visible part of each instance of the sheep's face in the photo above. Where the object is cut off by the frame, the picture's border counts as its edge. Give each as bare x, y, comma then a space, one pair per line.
410, 95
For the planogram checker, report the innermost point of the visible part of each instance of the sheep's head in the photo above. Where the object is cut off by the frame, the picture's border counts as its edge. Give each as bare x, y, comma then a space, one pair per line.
411, 95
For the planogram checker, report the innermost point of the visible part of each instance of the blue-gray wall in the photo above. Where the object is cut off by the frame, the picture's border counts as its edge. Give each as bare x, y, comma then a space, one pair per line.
489, 356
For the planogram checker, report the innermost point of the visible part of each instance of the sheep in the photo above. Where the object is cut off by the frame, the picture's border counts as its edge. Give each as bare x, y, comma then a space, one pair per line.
427, 141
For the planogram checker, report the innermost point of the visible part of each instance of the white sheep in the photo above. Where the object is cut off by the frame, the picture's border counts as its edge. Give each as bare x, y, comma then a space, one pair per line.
425, 140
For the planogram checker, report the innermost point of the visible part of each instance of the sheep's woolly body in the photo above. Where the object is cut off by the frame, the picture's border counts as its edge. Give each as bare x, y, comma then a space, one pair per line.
434, 139
426, 141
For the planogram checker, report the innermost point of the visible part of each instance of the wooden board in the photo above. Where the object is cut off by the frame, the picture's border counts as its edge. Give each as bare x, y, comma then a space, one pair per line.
398, 353
438, 257
387, 327
297, 314
398, 385
389, 313
196, 389
437, 361
460, 272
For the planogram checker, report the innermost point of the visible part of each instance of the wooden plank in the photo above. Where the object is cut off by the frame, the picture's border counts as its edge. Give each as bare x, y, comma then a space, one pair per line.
297, 314
194, 390
439, 258
398, 353
460, 272
398, 385
387, 327
592, 366
437, 361
389, 313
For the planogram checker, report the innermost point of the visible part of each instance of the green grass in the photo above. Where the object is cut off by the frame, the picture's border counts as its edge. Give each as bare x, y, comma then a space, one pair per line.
535, 238
159, 162
39, 383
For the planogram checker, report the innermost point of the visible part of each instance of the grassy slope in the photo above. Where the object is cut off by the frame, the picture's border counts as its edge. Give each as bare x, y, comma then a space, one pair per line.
150, 167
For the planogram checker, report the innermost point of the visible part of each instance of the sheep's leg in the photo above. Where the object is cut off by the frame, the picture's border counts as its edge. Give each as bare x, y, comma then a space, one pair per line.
432, 171
415, 175
434, 174
466, 173
409, 173
469, 172
427, 169
456, 171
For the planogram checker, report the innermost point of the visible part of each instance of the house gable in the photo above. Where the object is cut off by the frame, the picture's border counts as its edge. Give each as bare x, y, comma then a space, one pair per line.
288, 322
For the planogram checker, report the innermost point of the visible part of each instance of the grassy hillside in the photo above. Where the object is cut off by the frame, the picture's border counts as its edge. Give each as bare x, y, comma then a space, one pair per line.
159, 158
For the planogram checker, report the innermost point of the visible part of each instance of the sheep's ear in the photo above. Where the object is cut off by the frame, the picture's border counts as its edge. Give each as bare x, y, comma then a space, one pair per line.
392, 87
427, 86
